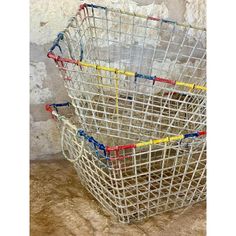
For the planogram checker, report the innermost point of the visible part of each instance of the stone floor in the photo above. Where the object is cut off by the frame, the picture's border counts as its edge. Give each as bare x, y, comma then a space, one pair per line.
60, 206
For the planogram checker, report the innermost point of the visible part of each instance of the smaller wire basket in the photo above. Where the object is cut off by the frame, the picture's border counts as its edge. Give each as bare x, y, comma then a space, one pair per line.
141, 179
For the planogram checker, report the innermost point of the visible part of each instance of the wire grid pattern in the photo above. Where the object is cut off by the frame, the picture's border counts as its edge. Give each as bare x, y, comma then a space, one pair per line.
152, 180
127, 108
117, 109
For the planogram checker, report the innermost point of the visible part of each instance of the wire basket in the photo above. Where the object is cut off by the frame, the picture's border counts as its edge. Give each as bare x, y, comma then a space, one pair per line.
138, 87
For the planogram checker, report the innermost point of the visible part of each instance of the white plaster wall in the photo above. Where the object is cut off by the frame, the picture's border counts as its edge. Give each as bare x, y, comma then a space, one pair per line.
38, 74
48, 17
195, 13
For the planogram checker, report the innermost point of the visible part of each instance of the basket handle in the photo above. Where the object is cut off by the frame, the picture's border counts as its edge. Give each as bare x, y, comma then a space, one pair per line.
49, 107
65, 122
56, 44
62, 145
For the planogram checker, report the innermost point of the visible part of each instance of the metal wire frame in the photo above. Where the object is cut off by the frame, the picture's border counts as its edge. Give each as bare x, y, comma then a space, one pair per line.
125, 108
138, 44
158, 90
153, 179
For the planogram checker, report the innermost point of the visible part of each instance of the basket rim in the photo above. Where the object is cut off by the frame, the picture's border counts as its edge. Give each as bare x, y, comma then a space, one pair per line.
154, 18
191, 86
108, 149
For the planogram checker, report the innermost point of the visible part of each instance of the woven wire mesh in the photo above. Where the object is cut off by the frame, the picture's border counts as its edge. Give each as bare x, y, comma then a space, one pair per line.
145, 181
117, 107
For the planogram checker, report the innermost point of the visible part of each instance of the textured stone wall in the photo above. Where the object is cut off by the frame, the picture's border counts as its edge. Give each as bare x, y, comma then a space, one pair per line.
48, 17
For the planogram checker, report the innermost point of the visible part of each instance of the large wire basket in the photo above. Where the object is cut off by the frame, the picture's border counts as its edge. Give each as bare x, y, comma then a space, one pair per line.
137, 84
